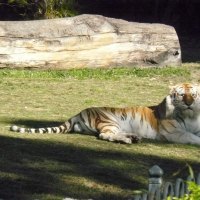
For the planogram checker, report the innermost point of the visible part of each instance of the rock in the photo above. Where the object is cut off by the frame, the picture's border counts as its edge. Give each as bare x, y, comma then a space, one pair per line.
87, 41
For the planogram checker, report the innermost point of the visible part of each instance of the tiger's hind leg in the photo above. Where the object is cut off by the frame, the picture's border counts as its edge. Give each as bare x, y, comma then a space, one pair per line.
117, 137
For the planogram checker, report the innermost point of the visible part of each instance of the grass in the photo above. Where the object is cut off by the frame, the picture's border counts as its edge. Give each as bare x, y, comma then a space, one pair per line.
81, 166
83, 74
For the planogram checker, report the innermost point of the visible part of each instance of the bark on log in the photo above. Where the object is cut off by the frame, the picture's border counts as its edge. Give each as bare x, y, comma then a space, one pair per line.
87, 41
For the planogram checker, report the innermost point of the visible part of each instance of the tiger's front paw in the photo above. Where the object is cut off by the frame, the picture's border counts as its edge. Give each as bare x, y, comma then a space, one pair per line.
127, 141
135, 139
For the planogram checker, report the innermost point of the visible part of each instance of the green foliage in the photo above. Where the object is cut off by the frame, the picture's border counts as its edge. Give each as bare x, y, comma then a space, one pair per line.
103, 74
193, 195
195, 192
194, 189
25, 9
39, 9
60, 8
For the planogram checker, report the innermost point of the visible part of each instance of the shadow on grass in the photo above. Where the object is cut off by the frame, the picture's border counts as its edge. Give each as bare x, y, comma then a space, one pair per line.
34, 123
31, 168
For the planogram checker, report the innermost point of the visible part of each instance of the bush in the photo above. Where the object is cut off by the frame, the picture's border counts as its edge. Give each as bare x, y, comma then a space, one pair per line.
36, 9
194, 193
60, 8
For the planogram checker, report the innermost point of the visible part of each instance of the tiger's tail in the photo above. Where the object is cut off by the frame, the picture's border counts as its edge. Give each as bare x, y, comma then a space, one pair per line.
63, 128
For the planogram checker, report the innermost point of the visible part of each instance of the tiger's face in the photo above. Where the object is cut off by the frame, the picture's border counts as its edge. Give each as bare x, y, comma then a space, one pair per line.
186, 98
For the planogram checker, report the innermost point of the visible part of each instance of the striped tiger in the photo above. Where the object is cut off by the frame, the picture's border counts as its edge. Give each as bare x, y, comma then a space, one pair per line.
175, 119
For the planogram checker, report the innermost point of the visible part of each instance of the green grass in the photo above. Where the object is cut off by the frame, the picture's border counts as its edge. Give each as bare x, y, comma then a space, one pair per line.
103, 74
34, 166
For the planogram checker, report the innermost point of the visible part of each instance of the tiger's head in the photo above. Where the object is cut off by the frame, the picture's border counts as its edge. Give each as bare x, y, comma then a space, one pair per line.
185, 98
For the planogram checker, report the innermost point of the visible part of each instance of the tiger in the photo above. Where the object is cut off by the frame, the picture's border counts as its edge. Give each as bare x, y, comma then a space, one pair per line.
176, 119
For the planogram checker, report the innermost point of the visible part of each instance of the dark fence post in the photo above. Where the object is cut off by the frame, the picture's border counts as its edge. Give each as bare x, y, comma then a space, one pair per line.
198, 179
155, 182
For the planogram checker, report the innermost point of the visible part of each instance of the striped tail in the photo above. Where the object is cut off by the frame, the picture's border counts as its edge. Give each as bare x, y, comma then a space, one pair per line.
64, 128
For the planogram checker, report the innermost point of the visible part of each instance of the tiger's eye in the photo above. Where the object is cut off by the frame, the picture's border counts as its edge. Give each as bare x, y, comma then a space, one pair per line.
194, 94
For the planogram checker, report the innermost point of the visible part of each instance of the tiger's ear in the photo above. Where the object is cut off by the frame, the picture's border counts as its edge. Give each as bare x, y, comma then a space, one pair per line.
197, 86
172, 88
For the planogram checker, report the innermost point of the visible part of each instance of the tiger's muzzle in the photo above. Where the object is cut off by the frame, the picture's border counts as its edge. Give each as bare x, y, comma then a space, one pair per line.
188, 100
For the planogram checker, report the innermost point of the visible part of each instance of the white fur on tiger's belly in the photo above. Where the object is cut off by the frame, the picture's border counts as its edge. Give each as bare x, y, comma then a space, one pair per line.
135, 127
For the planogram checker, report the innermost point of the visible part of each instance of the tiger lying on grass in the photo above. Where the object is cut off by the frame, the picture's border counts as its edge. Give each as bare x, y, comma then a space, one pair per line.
176, 119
